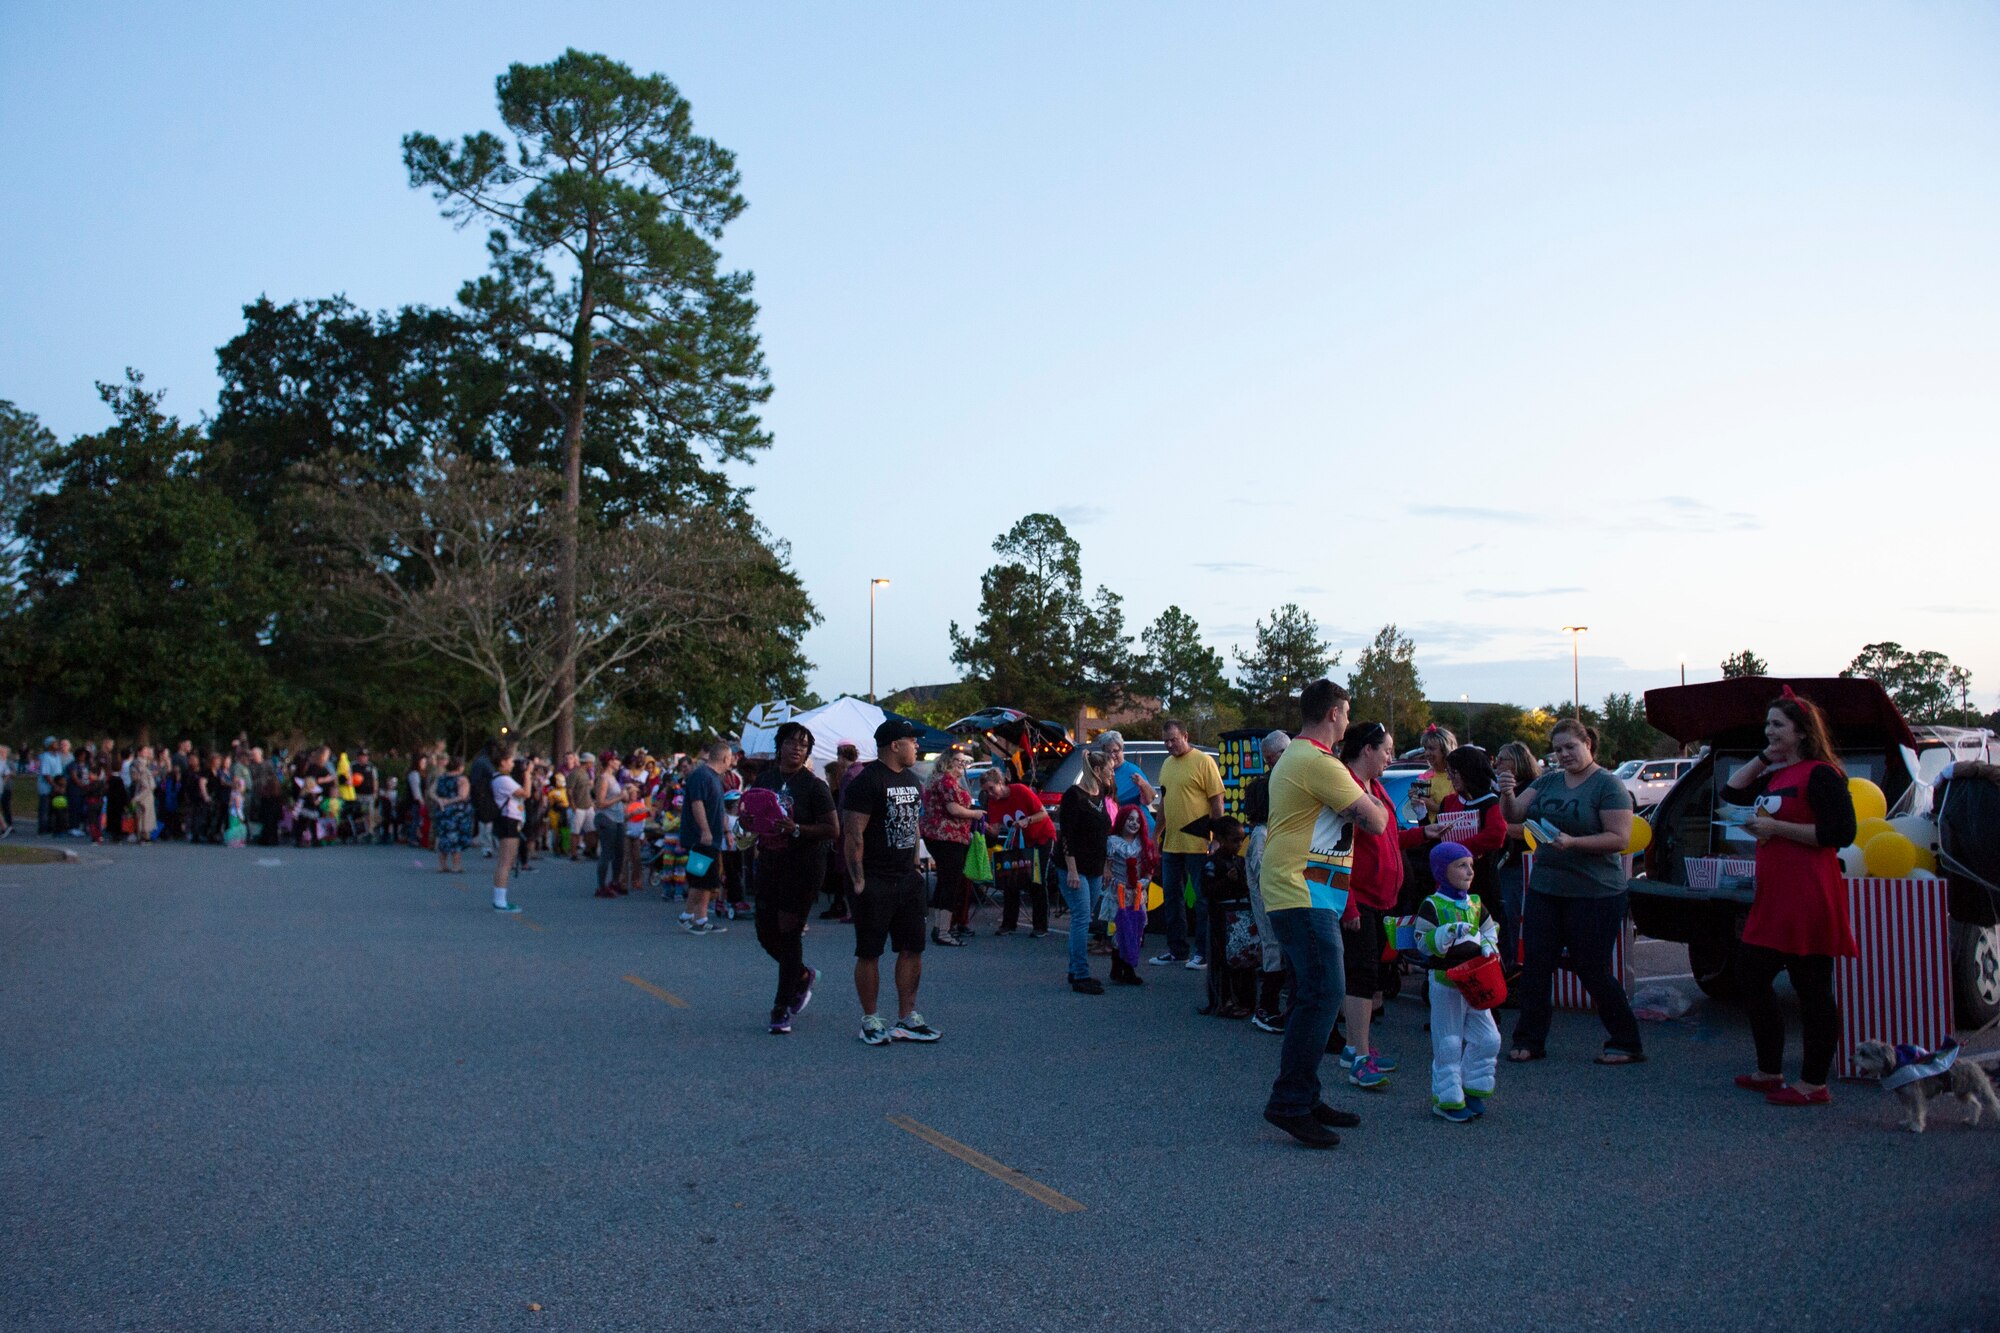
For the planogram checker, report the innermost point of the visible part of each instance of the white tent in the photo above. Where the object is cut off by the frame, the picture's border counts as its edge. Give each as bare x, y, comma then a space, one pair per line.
845, 719
760, 728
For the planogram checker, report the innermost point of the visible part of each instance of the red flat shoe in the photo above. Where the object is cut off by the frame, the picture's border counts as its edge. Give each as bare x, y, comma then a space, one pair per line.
1760, 1082
1791, 1096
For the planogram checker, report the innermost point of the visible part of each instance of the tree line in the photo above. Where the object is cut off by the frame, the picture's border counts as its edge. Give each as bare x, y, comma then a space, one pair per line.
1043, 644
511, 511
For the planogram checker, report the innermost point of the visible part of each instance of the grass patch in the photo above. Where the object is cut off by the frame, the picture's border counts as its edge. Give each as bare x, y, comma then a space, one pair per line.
12, 854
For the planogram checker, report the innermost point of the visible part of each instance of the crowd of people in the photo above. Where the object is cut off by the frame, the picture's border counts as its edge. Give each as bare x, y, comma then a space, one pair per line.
1308, 913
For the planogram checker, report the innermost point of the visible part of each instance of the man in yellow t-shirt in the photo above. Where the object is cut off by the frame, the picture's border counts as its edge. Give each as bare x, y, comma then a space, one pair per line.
1190, 789
1308, 857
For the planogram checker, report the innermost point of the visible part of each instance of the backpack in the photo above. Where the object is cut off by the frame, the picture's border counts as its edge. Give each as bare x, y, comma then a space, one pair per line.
761, 811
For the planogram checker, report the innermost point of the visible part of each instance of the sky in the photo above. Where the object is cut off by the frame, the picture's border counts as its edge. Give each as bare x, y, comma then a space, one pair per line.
1677, 321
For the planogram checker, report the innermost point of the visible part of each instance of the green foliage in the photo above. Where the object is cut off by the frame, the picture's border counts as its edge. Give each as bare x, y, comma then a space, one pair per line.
1177, 668
946, 705
146, 586
1924, 684
1625, 734
1493, 725
1039, 645
1287, 656
1386, 686
1744, 663
26, 446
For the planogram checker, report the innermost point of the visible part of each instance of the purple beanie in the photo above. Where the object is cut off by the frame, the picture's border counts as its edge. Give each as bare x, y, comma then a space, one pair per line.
1443, 855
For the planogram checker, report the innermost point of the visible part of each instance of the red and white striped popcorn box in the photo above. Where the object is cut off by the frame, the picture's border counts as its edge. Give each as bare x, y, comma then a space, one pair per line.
1458, 823
1899, 988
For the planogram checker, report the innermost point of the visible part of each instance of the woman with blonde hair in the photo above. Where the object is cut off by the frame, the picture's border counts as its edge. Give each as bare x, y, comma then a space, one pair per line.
946, 825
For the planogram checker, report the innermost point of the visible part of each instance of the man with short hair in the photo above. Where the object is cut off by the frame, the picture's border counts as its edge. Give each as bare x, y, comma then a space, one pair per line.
1308, 861
702, 833
880, 809
48, 767
1269, 1016
1191, 789
576, 790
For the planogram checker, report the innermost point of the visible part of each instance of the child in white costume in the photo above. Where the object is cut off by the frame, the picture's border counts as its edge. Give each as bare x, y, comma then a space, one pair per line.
1452, 928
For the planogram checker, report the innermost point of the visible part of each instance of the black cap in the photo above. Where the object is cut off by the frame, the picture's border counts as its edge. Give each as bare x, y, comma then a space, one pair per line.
896, 729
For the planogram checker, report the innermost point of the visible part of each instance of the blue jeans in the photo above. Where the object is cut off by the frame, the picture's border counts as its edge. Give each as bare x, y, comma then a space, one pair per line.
1177, 871
1310, 937
1080, 899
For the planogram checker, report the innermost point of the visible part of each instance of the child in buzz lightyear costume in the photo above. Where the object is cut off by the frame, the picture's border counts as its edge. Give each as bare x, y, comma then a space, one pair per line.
1452, 927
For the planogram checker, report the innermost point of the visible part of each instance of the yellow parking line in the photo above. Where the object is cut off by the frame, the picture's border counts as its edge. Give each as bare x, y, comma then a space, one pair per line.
531, 925
667, 995
1006, 1175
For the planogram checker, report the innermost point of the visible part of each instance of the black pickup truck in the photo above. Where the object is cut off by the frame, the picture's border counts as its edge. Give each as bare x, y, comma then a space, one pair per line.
1703, 907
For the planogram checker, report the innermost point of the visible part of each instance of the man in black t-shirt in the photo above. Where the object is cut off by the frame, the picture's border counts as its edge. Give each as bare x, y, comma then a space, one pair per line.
790, 865
879, 808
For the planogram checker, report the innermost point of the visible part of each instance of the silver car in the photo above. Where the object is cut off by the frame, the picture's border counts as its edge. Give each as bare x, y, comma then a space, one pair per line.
1652, 779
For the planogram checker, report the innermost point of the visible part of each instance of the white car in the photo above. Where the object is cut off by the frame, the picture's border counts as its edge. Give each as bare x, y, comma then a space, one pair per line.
1652, 779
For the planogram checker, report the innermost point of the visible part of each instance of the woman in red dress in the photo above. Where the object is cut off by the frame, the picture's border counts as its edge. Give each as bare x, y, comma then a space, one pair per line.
1798, 921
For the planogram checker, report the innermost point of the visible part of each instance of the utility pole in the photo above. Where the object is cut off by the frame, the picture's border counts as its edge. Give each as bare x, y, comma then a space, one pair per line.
873, 584
1575, 633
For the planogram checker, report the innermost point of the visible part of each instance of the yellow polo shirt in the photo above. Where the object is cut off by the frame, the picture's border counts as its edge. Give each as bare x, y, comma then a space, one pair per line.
1188, 783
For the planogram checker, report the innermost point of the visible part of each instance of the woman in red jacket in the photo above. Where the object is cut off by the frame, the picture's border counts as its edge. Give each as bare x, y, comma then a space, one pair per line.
1471, 817
1798, 920
1367, 750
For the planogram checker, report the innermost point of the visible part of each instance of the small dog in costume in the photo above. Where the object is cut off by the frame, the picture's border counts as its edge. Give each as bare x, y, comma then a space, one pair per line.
1452, 927
1916, 1075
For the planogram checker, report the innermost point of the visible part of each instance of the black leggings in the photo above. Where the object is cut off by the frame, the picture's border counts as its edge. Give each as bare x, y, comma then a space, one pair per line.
781, 935
1819, 1016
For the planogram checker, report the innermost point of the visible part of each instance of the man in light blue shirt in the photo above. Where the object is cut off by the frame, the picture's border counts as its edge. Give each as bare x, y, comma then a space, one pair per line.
47, 768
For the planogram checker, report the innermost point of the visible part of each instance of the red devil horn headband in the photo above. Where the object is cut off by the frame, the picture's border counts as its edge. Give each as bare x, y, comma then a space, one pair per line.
1786, 693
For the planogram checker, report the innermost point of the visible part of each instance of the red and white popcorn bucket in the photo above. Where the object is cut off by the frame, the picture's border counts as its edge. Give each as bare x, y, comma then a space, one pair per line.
1899, 989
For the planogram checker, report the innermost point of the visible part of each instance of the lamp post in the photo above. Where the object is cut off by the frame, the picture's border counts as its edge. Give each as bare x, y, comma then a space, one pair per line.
873, 584
1466, 699
1575, 633
1684, 668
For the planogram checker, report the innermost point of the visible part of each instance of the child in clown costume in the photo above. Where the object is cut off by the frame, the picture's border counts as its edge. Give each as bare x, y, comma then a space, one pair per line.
1453, 927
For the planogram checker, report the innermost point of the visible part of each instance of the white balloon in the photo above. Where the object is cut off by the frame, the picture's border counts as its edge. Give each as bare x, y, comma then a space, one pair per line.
1918, 830
1920, 874
1853, 864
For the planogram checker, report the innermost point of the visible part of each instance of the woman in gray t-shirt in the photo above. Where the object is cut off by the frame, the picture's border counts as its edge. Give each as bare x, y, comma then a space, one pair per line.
1576, 894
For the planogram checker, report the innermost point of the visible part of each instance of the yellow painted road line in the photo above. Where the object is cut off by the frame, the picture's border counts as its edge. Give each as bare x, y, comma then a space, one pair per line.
1006, 1175
531, 925
667, 995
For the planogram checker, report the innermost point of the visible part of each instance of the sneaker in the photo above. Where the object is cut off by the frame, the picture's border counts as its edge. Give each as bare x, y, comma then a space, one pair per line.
1458, 1115
1305, 1129
740, 909
1196, 964
1006, 930
512, 909
1037, 934
806, 991
1388, 1064
685, 916
1165, 960
874, 1031
781, 1022
706, 927
1476, 1104
1263, 1022
914, 1028
1347, 1057
1364, 1073
945, 941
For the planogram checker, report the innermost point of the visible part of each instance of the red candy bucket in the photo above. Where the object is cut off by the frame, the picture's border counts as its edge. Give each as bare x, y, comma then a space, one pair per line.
1481, 981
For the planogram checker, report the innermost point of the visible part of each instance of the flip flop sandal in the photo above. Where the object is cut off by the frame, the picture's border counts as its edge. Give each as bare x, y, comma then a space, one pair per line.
1521, 1055
1620, 1058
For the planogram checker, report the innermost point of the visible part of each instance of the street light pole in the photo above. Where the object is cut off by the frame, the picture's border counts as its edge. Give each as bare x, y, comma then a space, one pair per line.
1466, 699
1684, 668
873, 584
1575, 633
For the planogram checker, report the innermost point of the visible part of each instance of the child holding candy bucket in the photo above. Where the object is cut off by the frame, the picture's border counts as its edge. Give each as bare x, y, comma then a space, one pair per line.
1453, 928
1129, 860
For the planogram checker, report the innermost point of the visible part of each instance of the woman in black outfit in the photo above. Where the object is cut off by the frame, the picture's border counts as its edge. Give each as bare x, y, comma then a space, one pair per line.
1086, 827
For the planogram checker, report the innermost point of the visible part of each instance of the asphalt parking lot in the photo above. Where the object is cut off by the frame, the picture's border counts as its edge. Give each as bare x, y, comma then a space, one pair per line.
315, 1090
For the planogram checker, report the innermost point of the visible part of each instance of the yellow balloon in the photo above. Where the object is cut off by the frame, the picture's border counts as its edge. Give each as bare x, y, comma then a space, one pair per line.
1870, 829
1927, 859
1869, 802
1890, 855
1528, 836
1156, 895
1642, 836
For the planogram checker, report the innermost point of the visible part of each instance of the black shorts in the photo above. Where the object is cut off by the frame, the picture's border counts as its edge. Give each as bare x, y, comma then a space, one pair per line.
710, 878
1361, 948
892, 910
504, 827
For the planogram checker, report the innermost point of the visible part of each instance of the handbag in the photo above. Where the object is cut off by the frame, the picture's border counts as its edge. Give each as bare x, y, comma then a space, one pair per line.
978, 860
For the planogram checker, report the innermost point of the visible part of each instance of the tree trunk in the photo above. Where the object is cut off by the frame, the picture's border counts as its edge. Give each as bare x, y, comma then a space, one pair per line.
579, 363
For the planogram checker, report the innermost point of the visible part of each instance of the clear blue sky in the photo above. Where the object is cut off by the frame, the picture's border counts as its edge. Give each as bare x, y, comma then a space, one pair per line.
1679, 321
